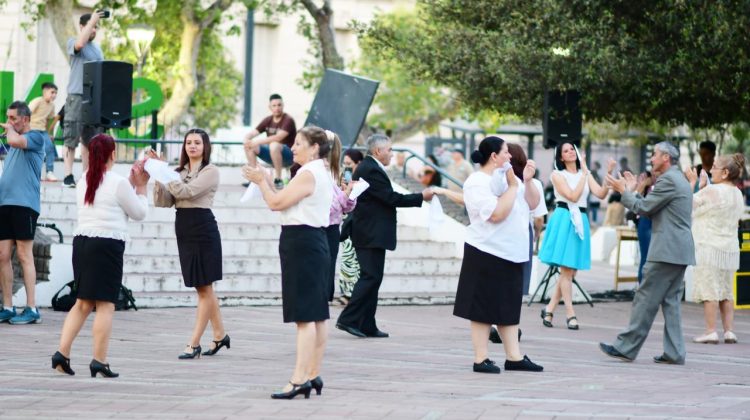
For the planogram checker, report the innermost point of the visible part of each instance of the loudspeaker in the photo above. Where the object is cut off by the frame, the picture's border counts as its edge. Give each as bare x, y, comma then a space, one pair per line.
742, 290
562, 118
341, 104
107, 93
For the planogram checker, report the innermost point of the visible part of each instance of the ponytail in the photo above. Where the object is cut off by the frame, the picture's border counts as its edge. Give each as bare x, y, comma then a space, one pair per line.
335, 156
100, 150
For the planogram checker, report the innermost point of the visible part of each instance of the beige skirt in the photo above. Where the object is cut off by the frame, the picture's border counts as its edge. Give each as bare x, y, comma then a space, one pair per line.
712, 284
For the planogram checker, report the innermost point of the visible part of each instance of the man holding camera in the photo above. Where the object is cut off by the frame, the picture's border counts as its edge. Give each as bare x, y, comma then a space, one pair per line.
80, 50
19, 209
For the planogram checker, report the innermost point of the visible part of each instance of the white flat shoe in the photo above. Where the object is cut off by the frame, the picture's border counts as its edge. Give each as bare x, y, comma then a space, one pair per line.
730, 338
712, 338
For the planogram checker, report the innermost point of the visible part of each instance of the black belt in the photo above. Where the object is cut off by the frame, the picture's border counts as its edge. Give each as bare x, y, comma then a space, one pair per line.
565, 206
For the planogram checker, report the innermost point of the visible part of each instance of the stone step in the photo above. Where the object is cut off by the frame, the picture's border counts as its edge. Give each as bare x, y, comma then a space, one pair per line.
190, 299
270, 248
149, 229
252, 266
392, 283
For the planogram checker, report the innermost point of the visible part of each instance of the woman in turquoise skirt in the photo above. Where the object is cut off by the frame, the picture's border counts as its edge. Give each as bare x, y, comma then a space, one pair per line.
567, 239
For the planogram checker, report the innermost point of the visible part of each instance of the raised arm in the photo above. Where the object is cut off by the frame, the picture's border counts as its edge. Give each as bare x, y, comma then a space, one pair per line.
132, 200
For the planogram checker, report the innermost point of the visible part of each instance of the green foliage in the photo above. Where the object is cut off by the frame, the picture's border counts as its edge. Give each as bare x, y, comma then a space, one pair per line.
214, 104
634, 61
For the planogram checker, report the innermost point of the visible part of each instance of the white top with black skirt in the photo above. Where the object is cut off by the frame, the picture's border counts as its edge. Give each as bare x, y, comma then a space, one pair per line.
115, 201
313, 210
508, 239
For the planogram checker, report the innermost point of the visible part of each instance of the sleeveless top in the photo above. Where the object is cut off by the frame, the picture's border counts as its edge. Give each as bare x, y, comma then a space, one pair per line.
313, 210
572, 180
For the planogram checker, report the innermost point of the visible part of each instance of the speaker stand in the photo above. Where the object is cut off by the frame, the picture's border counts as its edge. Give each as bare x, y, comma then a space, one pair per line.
553, 270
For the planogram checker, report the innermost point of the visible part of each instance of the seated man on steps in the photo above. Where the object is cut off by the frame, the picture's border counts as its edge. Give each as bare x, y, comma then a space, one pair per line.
276, 147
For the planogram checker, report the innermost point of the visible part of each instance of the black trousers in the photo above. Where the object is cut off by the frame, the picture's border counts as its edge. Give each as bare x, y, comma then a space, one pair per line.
360, 311
333, 234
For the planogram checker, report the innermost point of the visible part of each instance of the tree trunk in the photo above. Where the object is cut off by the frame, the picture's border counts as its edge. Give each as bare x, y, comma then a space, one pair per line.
324, 22
59, 12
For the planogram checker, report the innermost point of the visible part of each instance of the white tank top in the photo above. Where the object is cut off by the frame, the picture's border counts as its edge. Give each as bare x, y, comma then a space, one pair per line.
572, 180
313, 210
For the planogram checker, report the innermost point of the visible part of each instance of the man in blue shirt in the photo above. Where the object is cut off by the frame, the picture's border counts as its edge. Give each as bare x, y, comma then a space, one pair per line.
19, 209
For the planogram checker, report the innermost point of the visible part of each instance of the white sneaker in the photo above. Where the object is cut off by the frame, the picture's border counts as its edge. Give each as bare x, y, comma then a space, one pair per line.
51, 177
711, 338
729, 337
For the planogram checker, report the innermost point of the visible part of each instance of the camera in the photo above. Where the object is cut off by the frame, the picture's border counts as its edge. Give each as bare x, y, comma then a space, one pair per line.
347, 175
103, 13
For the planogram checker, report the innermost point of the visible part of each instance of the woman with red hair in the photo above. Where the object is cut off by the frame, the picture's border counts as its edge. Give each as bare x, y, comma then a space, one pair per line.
106, 200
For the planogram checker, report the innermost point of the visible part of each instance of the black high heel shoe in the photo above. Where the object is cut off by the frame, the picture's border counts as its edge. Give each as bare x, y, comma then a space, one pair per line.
296, 390
217, 345
98, 367
317, 384
191, 355
61, 363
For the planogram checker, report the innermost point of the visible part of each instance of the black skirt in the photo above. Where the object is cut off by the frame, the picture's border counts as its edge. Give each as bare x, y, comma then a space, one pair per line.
97, 267
305, 270
333, 235
489, 289
199, 245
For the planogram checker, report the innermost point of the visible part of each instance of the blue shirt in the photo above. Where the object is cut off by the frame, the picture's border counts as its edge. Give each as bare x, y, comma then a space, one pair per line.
19, 183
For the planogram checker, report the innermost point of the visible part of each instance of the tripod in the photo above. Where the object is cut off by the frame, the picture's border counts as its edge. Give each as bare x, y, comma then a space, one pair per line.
551, 271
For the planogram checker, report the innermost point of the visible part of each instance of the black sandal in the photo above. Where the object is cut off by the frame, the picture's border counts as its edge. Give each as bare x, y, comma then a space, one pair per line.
546, 314
572, 326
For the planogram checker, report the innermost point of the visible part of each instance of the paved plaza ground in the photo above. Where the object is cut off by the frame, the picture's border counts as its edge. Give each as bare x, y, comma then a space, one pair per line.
422, 372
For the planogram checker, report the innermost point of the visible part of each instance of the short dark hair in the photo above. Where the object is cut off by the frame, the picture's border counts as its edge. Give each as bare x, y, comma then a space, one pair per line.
708, 145
355, 155
21, 108
85, 18
49, 85
274, 96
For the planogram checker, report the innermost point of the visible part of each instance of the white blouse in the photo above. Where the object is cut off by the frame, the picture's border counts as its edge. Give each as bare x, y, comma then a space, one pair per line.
313, 210
572, 180
115, 201
508, 239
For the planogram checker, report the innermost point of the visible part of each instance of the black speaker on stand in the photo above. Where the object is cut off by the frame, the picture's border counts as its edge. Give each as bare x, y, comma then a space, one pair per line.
107, 94
562, 121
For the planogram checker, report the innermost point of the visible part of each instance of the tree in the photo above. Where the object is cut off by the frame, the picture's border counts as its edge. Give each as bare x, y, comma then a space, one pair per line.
634, 61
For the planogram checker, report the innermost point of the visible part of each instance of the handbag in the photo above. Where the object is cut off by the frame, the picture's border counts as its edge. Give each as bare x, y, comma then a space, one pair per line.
65, 298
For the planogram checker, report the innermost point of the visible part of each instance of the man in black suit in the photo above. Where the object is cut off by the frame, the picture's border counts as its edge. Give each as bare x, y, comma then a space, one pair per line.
374, 231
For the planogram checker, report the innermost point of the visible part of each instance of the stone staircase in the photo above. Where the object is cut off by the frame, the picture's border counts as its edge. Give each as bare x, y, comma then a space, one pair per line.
423, 269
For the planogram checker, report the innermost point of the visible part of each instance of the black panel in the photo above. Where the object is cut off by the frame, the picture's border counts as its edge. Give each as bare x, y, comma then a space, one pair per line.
562, 118
341, 104
107, 93
743, 289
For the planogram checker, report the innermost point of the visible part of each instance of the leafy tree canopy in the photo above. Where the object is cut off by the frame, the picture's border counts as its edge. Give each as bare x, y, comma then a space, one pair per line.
635, 61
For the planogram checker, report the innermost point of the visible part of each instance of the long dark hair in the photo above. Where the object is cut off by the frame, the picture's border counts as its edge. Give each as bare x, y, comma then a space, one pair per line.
185, 160
517, 159
329, 147
487, 147
559, 164
100, 150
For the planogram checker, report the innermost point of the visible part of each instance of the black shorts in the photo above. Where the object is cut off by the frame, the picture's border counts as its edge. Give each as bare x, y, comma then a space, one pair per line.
17, 223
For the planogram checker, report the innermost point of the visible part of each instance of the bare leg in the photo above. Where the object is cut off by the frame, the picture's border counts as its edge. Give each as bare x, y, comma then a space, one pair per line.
509, 334
203, 312
727, 314
250, 152
84, 159
25, 252
306, 341
217, 325
276, 158
321, 337
554, 299
479, 334
68, 156
6, 273
709, 314
73, 323
102, 329
566, 289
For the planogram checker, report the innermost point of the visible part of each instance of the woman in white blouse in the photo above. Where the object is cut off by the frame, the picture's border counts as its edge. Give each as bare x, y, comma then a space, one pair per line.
303, 251
105, 202
198, 238
497, 246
